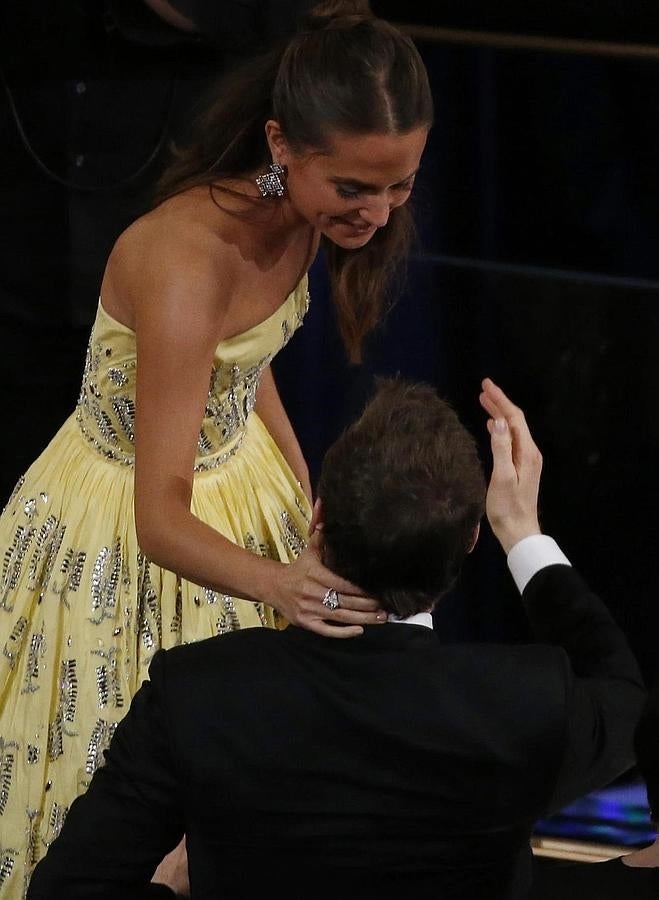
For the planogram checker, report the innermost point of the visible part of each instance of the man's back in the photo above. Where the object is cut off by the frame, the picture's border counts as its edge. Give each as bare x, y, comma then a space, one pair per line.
425, 767
377, 765
382, 765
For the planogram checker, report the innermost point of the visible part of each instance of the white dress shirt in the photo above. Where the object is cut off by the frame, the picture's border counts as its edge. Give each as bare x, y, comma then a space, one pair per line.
530, 555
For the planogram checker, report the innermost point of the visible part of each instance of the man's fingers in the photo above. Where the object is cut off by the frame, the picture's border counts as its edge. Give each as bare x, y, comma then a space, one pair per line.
499, 406
494, 401
490, 406
496, 396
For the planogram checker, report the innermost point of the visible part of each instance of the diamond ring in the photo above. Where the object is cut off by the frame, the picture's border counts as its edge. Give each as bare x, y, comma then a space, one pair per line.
331, 599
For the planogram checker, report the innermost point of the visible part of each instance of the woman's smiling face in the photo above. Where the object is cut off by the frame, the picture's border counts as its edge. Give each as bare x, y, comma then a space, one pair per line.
348, 190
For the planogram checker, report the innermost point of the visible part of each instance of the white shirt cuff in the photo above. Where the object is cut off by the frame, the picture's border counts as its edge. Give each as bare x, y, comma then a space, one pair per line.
530, 555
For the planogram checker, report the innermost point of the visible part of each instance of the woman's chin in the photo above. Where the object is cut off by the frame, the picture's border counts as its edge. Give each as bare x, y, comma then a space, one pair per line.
348, 237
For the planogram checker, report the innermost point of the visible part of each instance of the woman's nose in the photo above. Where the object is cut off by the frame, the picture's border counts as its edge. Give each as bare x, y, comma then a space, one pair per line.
376, 212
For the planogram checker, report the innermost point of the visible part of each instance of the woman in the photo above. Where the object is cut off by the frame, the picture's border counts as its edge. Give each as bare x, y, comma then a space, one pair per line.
174, 504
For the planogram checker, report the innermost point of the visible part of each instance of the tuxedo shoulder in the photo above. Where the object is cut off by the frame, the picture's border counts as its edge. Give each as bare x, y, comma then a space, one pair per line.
235, 644
223, 644
524, 667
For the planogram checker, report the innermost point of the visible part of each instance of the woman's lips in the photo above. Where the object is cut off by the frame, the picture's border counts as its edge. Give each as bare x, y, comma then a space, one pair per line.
358, 229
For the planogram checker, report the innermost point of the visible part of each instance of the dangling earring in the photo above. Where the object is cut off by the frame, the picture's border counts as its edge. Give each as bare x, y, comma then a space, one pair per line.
271, 184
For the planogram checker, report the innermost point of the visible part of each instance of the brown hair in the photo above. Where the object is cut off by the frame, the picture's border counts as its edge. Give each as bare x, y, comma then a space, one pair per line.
403, 490
304, 86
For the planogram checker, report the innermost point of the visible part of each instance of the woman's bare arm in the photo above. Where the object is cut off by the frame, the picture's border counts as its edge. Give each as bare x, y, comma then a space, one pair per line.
181, 301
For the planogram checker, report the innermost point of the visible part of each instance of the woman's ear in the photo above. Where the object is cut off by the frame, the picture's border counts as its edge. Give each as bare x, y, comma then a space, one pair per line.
276, 142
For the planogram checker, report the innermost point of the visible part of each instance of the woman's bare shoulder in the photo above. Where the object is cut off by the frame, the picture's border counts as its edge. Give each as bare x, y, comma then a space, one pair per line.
168, 255
175, 240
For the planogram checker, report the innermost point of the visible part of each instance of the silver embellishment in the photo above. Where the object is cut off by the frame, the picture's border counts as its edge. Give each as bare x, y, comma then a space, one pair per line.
47, 545
117, 377
99, 741
293, 537
13, 562
68, 699
219, 460
107, 679
117, 456
32, 667
149, 618
104, 424
177, 619
7, 857
73, 564
33, 754
7, 757
89, 414
55, 738
229, 620
124, 409
204, 444
304, 511
229, 413
68, 689
56, 819
14, 645
31, 851
105, 581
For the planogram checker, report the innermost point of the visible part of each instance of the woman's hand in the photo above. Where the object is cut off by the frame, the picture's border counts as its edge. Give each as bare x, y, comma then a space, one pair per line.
301, 587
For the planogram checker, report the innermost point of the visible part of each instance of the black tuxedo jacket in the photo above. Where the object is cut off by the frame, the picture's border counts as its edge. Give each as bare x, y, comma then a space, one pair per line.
380, 766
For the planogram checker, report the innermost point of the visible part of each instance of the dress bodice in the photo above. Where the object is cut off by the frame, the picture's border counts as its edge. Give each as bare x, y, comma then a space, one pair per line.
106, 406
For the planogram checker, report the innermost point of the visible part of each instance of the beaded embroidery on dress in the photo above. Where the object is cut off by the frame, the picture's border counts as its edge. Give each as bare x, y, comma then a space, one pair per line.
82, 611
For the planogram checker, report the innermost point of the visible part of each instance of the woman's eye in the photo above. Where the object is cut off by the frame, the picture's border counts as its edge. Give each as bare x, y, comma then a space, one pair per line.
346, 193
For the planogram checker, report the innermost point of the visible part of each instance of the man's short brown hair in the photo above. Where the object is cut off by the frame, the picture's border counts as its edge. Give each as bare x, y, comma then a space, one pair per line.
403, 490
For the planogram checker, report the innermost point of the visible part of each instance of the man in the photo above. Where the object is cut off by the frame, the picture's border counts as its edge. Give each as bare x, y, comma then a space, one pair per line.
388, 764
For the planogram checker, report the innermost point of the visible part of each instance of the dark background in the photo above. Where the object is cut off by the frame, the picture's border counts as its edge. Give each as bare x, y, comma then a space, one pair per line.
536, 264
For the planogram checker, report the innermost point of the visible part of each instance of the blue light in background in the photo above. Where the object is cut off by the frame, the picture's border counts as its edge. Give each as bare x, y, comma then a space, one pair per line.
618, 814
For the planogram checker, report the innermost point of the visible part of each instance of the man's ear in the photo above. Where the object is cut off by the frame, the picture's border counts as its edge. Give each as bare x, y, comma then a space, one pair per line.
317, 517
474, 537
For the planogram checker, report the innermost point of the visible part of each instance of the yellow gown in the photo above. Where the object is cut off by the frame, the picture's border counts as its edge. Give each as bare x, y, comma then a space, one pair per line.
82, 611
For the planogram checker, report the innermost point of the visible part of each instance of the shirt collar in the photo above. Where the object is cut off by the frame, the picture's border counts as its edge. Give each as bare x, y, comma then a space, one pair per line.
423, 618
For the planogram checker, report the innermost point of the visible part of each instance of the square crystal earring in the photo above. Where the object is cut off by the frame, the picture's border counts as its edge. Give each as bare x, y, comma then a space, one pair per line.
271, 184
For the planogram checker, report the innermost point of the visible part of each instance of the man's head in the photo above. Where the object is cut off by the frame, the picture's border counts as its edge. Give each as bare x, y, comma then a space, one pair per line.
402, 493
